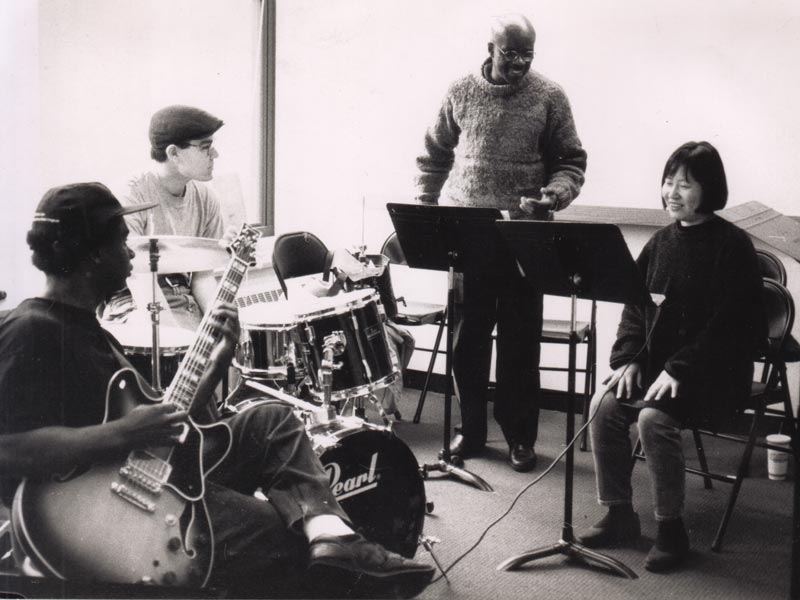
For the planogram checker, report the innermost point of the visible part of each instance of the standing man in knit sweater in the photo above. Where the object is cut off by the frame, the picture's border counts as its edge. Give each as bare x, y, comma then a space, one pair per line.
504, 138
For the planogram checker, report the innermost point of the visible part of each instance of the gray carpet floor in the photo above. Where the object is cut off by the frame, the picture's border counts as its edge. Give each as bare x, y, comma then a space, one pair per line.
754, 561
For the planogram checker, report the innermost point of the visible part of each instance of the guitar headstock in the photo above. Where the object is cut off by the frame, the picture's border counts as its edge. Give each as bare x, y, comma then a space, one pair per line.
244, 245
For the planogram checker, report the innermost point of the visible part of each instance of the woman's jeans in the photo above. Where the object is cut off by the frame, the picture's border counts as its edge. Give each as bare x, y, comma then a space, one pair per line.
660, 435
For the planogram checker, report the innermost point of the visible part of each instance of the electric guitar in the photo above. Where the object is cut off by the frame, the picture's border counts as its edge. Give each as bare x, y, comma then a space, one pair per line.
141, 520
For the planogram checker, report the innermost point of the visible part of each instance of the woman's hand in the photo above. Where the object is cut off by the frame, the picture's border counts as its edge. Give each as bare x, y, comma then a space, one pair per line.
627, 379
663, 385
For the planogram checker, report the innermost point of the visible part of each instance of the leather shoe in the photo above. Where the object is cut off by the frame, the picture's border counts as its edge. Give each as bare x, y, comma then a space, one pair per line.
351, 565
462, 447
521, 457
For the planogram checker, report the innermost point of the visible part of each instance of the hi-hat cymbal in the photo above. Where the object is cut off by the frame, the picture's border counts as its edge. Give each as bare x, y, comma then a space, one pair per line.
178, 254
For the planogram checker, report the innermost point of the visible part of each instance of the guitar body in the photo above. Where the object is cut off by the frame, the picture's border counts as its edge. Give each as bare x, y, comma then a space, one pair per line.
140, 519
123, 521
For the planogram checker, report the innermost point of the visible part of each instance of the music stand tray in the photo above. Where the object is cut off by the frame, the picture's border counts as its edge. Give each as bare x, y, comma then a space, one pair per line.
578, 260
448, 238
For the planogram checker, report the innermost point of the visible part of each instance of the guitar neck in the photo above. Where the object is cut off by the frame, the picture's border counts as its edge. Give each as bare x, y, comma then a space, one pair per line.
183, 389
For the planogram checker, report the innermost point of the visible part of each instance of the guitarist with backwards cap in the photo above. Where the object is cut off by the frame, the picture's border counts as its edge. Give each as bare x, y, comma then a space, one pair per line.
55, 365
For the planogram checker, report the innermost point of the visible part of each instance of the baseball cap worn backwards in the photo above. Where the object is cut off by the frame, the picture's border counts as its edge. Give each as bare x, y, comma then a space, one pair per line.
80, 211
175, 124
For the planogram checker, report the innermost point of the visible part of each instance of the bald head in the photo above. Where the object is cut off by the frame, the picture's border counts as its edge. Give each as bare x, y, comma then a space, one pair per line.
514, 24
510, 49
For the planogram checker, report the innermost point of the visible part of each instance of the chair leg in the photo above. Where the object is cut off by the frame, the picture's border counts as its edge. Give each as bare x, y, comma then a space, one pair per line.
701, 457
589, 387
744, 465
431, 364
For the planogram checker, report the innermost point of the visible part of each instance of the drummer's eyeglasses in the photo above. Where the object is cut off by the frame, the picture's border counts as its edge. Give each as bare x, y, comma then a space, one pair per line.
512, 55
203, 147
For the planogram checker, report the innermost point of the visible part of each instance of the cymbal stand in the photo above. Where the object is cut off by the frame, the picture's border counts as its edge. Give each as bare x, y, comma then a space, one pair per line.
155, 318
444, 464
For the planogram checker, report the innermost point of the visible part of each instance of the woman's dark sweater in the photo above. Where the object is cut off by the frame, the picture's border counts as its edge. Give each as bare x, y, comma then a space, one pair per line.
711, 322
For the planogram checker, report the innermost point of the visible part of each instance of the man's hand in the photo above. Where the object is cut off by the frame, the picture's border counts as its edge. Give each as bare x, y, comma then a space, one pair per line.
231, 231
224, 318
558, 194
663, 385
151, 425
627, 379
531, 206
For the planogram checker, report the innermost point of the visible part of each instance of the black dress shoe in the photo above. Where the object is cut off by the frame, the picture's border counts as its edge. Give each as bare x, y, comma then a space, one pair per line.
521, 457
354, 566
462, 447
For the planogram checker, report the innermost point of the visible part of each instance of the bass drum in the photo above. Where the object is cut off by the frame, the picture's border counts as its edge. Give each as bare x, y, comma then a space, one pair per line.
376, 479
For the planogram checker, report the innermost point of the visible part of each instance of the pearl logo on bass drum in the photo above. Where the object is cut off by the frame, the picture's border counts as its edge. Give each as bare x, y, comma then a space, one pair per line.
352, 486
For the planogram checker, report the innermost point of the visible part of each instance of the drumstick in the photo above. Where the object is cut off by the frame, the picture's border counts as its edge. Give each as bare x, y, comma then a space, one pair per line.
282, 396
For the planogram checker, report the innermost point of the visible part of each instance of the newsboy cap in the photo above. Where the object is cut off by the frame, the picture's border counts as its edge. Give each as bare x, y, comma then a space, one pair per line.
177, 123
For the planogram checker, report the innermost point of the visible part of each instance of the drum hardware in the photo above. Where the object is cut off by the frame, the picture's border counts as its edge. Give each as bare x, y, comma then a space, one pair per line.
332, 346
427, 542
155, 311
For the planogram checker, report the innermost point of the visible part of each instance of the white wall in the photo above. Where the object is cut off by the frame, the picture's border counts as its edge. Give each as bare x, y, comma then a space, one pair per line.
81, 79
359, 81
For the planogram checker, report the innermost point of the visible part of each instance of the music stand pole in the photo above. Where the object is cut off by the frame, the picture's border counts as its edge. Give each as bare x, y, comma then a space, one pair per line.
442, 238
445, 464
591, 261
567, 544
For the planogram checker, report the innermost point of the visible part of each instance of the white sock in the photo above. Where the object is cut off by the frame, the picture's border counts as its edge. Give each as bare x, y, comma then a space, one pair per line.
325, 525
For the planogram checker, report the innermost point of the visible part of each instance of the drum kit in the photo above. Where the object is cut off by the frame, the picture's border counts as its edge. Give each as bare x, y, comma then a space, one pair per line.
325, 356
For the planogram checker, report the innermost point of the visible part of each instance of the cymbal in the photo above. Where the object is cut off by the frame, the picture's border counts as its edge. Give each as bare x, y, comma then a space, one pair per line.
178, 254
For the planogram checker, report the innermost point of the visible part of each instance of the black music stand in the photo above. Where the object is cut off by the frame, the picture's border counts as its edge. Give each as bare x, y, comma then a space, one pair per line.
445, 238
578, 260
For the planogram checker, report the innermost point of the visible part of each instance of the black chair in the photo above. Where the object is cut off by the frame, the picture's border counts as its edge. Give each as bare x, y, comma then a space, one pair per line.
770, 389
414, 313
298, 254
771, 266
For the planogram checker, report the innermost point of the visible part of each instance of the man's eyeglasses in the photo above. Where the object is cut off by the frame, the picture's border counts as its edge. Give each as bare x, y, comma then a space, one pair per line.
512, 55
203, 147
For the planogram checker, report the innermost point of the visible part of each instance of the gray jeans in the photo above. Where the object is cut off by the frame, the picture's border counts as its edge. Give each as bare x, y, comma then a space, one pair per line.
611, 448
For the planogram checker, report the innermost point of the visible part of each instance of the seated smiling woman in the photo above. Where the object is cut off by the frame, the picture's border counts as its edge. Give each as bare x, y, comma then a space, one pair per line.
688, 360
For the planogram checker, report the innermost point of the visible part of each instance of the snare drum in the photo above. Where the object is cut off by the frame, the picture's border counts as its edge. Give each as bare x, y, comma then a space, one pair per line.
266, 347
137, 343
365, 364
376, 479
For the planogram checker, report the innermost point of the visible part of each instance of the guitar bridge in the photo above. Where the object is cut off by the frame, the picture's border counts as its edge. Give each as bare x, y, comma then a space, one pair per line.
133, 497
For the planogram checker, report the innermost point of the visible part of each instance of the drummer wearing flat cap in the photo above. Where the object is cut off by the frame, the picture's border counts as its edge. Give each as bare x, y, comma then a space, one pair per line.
181, 144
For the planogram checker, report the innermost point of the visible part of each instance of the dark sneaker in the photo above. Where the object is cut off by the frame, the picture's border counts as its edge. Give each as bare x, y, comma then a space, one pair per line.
352, 566
521, 457
615, 528
671, 547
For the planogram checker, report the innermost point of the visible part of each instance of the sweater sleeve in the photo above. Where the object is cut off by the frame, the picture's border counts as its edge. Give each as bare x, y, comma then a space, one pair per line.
435, 162
735, 324
563, 152
632, 330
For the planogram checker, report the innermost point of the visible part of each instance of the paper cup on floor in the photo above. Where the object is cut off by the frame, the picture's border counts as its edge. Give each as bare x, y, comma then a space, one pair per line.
777, 461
